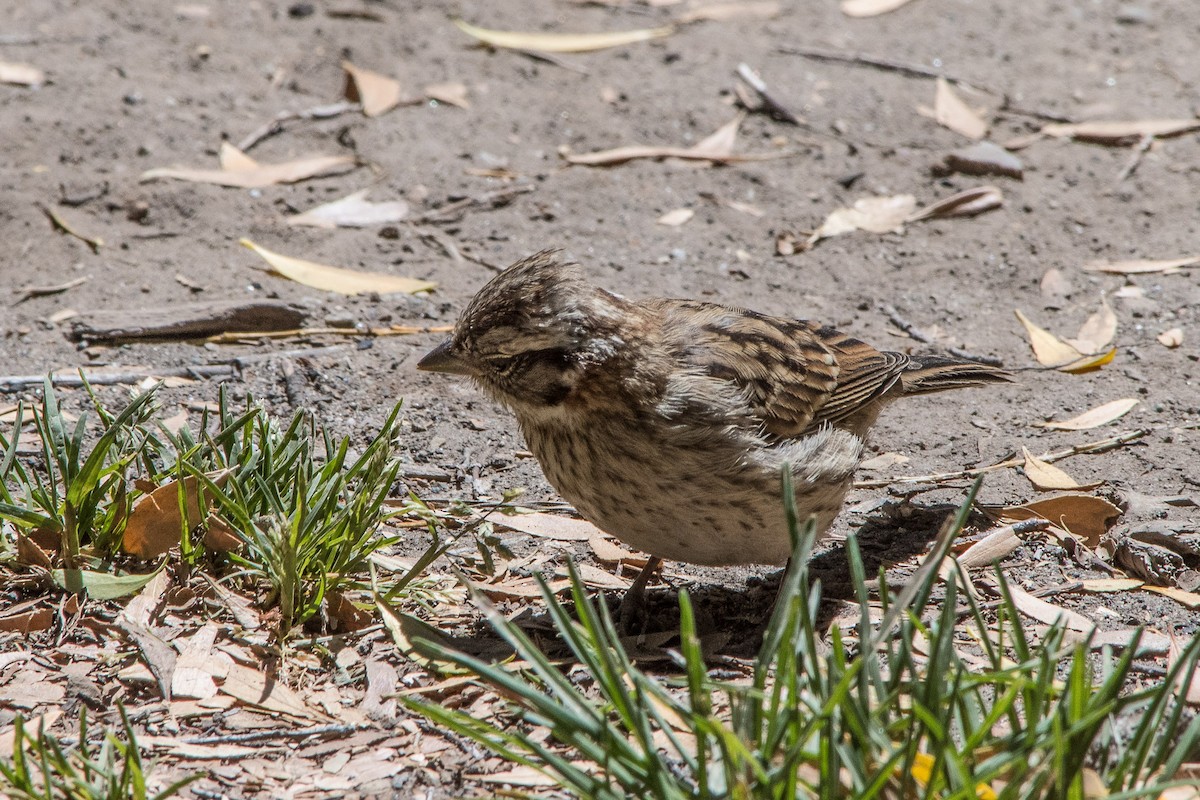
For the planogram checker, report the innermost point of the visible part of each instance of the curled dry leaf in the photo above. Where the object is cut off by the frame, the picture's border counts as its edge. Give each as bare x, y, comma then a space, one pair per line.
719, 12
716, 148
336, 279
964, 204
377, 93
155, 524
984, 158
870, 8
1121, 132
1141, 266
950, 111
1094, 418
1083, 515
1050, 351
1046, 477
676, 217
561, 42
1097, 331
21, 74
1171, 338
874, 214
352, 211
454, 94
240, 171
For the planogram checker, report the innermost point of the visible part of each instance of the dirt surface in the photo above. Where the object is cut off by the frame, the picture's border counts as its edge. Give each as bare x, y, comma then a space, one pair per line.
137, 86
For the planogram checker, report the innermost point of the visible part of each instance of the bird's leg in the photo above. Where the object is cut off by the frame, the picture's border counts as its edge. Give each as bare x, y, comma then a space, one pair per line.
633, 604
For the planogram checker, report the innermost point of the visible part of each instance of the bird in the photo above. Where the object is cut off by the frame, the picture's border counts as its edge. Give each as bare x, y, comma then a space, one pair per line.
667, 422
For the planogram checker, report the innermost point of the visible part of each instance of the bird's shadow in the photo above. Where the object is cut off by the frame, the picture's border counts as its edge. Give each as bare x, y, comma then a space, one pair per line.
731, 616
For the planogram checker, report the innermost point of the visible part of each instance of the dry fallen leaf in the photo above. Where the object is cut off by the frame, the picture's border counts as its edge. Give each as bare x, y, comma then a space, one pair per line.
677, 217
883, 461
717, 148
1046, 477
964, 204
1111, 584
155, 524
1084, 515
377, 93
352, 211
870, 8
950, 111
1171, 338
454, 94
1121, 132
336, 279
719, 12
549, 526
1100, 415
984, 158
561, 42
1049, 613
1048, 349
874, 214
1141, 266
240, 171
21, 74
1189, 599
1097, 332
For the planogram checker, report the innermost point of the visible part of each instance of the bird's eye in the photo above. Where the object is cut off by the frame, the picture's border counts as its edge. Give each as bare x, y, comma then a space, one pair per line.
502, 364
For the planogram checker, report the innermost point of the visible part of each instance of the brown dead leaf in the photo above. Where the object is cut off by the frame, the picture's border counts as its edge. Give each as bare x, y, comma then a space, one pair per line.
1141, 266
720, 12
199, 666
1097, 332
561, 42
1093, 418
883, 461
950, 111
260, 691
352, 211
336, 279
676, 217
453, 93
871, 8
597, 578
240, 171
964, 204
609, 552
1121, 132
1083, 515
220, 537
1171, 338
1046, 477
1190, 681
155, 524
377, 93
984, 158
21, 74
549, 526
27, 622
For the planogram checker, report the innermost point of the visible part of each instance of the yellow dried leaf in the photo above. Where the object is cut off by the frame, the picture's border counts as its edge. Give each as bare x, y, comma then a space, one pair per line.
1171, 338
1084, 515
1046, 477
1048, 349
1111, 584
1189, 599
870, 8
1141, 266
1088, 363
950, 111
1093, 418
561, 42
377, 93
336, 279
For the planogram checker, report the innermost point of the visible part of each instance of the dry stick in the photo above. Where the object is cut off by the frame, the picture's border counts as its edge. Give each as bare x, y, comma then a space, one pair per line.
755, 82
395, 330
494, 199
275, 126
270, 735
917, 71
962, 474
15, 383
921, 336
1135, 159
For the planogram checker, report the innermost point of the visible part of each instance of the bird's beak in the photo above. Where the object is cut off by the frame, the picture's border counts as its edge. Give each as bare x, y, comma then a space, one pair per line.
443, 359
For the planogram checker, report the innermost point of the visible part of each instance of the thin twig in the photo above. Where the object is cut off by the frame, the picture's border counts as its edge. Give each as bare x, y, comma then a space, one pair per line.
964, 474
921, 336
28, 292
276, 733
878, 62
393, 330
1135, 159
275, 126
16, 383
453, 211
769, 101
